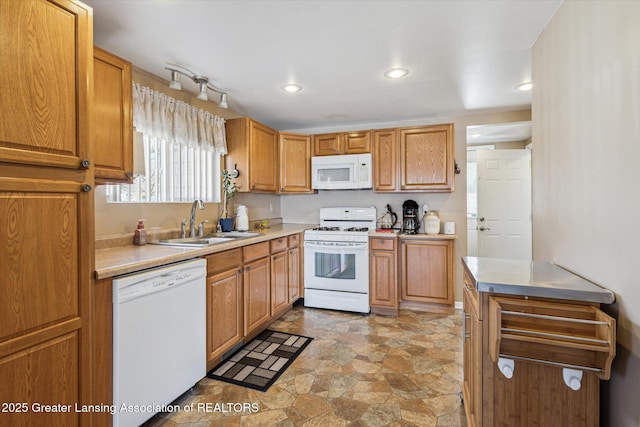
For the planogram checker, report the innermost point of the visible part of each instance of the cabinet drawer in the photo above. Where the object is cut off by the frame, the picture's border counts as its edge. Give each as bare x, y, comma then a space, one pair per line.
223, 261
382, 244
294, 240
558, 334
255, 251
278, 245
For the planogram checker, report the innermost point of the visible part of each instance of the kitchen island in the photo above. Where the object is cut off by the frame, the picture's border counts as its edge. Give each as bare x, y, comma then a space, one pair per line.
536, 344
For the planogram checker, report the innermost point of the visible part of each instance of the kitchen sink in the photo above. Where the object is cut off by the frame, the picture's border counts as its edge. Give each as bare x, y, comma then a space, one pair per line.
208, 240
198, 242
236, 234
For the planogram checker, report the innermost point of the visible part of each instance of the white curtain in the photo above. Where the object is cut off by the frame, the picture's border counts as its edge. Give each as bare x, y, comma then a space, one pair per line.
158, 115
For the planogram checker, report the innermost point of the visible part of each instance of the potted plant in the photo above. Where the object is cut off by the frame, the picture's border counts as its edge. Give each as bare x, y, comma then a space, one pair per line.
229, 189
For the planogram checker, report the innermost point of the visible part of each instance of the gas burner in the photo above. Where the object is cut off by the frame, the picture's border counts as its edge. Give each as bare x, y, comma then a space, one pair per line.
327, 228
356, 229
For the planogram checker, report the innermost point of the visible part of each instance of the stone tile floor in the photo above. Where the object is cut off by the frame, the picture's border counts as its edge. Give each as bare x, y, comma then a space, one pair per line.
358, 371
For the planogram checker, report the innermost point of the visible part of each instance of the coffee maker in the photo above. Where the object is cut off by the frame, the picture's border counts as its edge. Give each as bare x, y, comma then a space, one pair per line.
410, 220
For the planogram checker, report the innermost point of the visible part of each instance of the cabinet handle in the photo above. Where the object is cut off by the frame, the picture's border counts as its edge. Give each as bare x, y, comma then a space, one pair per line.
239, 271
85, 163
247, 268
253, 186
86, 188
129, 174
281, 188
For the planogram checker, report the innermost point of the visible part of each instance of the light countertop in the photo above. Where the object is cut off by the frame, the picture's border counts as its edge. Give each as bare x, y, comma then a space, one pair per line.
533, 278
127, 259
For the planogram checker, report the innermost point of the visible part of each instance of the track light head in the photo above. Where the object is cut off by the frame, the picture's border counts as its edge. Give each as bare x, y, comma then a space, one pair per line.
202, 84
175, 80
223, 101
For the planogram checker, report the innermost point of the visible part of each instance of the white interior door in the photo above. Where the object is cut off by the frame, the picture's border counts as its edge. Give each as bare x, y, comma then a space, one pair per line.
504, 204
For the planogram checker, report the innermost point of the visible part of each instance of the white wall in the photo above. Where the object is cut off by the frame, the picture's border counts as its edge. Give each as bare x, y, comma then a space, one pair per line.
586, 183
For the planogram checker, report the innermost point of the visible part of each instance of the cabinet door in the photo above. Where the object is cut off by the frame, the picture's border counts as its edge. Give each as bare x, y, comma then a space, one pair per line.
224, 312
295, 163
427, 271
426, 158
382, 279
356, 142
113, 120
327, 144
257, 291
385, 160
294, 274
472, 361
263, 163
46, 252
279, 282
46, 57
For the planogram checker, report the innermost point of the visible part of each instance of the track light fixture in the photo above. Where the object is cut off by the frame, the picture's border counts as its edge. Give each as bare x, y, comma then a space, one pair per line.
201, 81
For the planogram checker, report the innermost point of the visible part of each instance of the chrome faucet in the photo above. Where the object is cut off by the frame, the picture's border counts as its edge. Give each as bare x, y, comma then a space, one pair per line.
192, 222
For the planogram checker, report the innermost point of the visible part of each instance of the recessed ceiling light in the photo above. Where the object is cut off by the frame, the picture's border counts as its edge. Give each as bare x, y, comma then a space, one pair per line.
525, 86
292, 88
396, 73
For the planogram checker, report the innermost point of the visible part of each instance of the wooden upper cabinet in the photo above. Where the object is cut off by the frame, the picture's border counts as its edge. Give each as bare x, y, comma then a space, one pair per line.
295, 163
426, 158
356, 142
46, 61
113, 118
330, 144
253, 149
384, 156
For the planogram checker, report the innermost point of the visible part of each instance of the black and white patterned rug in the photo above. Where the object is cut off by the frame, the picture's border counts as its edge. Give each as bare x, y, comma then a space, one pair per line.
261, 361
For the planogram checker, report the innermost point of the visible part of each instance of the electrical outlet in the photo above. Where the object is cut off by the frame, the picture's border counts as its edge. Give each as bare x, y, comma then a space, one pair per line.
425, 208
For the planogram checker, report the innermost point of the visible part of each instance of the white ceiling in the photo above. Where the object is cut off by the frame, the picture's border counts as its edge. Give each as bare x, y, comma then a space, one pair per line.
501, 132
462, 55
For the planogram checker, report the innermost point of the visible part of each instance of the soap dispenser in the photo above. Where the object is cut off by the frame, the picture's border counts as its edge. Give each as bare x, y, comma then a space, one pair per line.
140, 235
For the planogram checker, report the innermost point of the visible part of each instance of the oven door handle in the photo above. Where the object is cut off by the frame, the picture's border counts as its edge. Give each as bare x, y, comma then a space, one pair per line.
325, 245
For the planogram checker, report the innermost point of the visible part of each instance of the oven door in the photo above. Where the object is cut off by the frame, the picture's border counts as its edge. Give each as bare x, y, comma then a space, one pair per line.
336, 266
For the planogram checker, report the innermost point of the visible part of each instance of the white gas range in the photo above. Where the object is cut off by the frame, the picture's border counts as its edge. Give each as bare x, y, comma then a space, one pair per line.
336, 259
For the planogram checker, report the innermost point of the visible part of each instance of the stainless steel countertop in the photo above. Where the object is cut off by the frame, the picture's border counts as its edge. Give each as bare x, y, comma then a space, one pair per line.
533, 278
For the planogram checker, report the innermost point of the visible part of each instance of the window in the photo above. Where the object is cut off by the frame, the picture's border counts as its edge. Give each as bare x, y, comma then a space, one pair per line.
179, 151
173, 173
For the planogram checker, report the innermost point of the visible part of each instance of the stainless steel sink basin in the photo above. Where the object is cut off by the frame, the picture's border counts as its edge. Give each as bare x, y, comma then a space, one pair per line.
208, 240
236, 234
198, 242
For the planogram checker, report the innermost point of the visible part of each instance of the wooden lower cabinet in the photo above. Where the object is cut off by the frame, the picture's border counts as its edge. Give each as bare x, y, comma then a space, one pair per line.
383, 283
224, 313
257, 294
294, 274
279, 282
472, 359
427, 271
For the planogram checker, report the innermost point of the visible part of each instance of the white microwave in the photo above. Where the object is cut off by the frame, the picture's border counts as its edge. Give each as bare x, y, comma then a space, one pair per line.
344, 172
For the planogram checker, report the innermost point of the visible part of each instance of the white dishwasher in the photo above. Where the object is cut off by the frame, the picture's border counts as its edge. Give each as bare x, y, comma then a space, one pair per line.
159, 338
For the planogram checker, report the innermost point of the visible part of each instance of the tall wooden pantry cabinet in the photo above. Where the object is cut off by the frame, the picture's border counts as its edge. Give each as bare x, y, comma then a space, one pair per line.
46, 210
